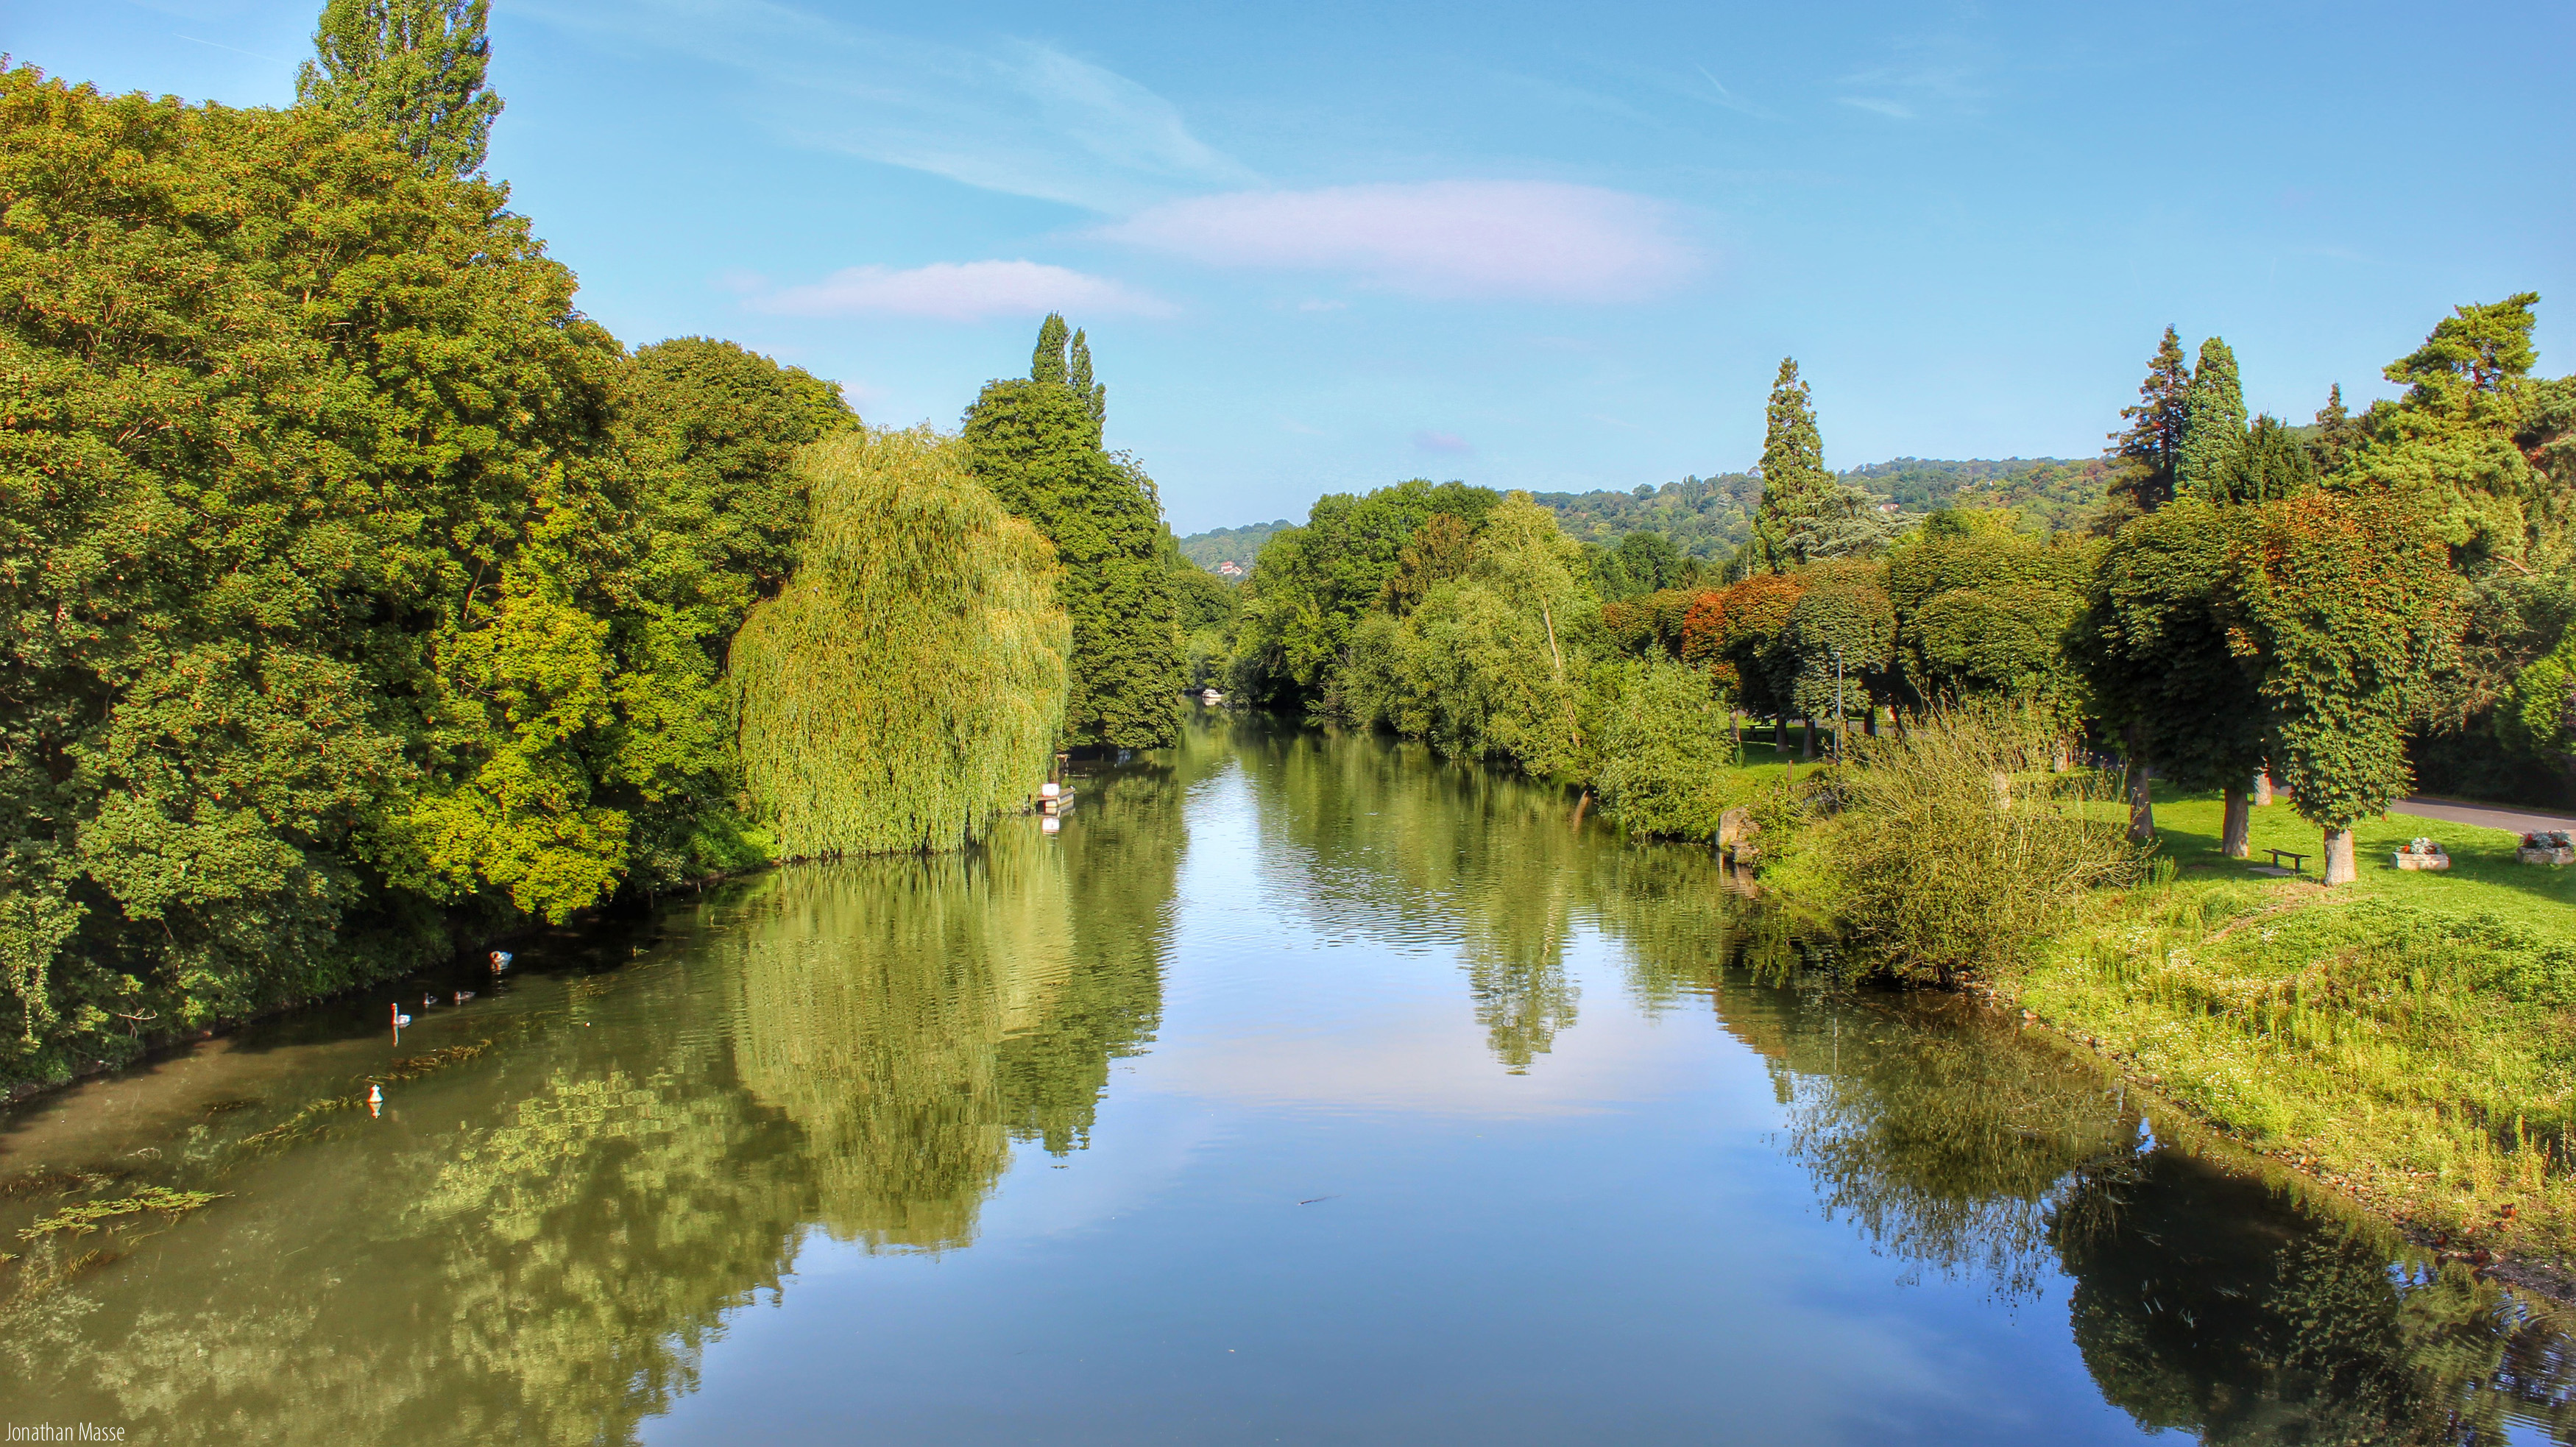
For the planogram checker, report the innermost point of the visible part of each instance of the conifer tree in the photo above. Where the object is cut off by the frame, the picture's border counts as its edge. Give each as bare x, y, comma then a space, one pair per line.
1795, 485
2213, 428
2336, 433
413, 68
2149, 449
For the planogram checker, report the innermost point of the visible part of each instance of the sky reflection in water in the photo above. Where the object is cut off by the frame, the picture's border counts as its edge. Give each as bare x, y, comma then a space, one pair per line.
1302, 1089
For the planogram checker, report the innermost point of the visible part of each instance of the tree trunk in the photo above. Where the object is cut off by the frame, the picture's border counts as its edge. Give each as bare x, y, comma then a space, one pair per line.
2263, 788
1735, 734
2235, 835
2142, 804
1806, 739
1870, 725
1779, 735
2340, 868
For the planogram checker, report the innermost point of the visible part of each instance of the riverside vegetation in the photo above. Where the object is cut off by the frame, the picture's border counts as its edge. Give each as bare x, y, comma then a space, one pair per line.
364, 597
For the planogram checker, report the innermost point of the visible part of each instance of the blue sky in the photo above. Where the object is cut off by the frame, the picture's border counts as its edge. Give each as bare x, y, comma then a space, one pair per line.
1327, 246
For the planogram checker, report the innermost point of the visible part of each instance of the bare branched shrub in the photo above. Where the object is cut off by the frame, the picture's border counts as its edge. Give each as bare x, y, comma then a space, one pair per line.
1958, 846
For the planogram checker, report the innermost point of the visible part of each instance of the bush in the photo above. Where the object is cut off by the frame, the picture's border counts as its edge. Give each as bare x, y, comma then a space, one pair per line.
1957, 849
1664, 750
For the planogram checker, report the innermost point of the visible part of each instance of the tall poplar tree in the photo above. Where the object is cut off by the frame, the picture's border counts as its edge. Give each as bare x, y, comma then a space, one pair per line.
2148, 450
1035, 443
1795, 485
1094, 395
413, 68
2213, 426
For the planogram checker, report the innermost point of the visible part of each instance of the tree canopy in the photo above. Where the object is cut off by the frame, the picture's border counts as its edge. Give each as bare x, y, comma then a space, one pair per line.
413, 69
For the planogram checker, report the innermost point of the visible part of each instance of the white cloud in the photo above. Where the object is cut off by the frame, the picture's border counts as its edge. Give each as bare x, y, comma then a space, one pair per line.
1448, 442
963, 291
1538, 239
1017, 117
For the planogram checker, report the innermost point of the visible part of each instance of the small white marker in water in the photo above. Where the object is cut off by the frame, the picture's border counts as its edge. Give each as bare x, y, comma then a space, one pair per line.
375, 1100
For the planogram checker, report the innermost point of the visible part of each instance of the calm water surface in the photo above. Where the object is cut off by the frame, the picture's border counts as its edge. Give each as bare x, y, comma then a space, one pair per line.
1300, 1090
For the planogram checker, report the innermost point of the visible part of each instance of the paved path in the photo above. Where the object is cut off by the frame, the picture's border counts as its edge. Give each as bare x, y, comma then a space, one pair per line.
2492, 816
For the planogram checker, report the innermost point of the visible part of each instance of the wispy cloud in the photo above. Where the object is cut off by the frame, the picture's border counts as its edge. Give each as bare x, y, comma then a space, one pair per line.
1017, 117
1893, 110
1927, 75
1444, 442
1536, 239
1718, 92
962, 291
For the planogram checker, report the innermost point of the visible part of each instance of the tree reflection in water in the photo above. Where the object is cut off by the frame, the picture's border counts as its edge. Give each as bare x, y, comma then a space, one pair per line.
536, 1245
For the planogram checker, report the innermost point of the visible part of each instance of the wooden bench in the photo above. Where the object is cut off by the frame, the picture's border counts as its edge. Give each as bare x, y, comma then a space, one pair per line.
2298, 861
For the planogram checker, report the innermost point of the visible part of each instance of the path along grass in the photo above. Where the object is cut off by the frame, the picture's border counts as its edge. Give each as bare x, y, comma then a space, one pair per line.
2411, 1037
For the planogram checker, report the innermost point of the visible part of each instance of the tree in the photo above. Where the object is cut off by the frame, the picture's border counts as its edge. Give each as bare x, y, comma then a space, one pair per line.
411, 68
2269, 463
1796, 488
2336, 434
2347, 607
1840, 637
1095, 395
2213, 429
1494, 663
1035, 443
309, 619
1314, 584
2155, 647
711, 431
911, 574
2465, 436
2149, 450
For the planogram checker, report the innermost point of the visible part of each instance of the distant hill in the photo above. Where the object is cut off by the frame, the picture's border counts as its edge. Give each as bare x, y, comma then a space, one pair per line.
1709, 517
1230, 545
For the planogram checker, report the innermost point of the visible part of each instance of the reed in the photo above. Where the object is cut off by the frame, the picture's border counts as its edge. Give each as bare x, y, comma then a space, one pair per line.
909, 682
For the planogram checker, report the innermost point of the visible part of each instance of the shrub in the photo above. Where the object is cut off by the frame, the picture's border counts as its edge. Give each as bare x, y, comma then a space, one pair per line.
1956, 848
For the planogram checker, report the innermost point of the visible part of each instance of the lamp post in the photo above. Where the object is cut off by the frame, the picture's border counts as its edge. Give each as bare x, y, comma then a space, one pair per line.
1838, 706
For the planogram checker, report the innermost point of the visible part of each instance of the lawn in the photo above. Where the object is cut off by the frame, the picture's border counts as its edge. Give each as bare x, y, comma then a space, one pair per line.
2411, 1037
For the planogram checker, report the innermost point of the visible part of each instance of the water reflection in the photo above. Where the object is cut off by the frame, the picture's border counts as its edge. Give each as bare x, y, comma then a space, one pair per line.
548, 1233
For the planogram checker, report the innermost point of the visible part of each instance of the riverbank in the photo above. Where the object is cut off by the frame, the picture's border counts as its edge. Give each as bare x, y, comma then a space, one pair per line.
2410, 1039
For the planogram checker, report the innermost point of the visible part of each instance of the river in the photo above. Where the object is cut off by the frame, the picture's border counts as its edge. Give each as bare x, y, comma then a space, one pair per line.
1301, 1089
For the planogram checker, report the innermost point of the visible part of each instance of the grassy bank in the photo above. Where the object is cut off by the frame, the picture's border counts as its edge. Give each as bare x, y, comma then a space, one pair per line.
2411, 1037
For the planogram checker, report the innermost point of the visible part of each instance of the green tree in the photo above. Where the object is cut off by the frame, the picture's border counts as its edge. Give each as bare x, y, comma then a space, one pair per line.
2268, 464
1035, 443
1094, 395
1840, 638
2335, 433
1796, 488
411, 68
2154, 645
910, 681
2147, 453
1314, 584
2213, 426
2474, 434
2346, 606
333, 515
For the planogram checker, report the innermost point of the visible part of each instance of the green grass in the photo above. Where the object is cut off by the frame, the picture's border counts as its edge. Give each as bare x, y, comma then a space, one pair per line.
2411, 1036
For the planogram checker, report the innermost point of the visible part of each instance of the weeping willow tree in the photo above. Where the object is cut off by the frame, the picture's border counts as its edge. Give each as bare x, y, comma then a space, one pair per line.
910, 680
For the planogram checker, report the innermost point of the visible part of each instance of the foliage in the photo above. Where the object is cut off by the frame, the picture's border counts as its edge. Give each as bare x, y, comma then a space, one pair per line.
2344, 602
1651, 625
1664, 750
2213, 423
1805, 514
1643, 562
1239, 546
911, 573
1036, 444
1205, 607
1839, 640
1737, 634
2268, 463
317, 529
2157, 652
1494, 663
1315, 583
2148, 453
412, 69
1958, 851
1984, 609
